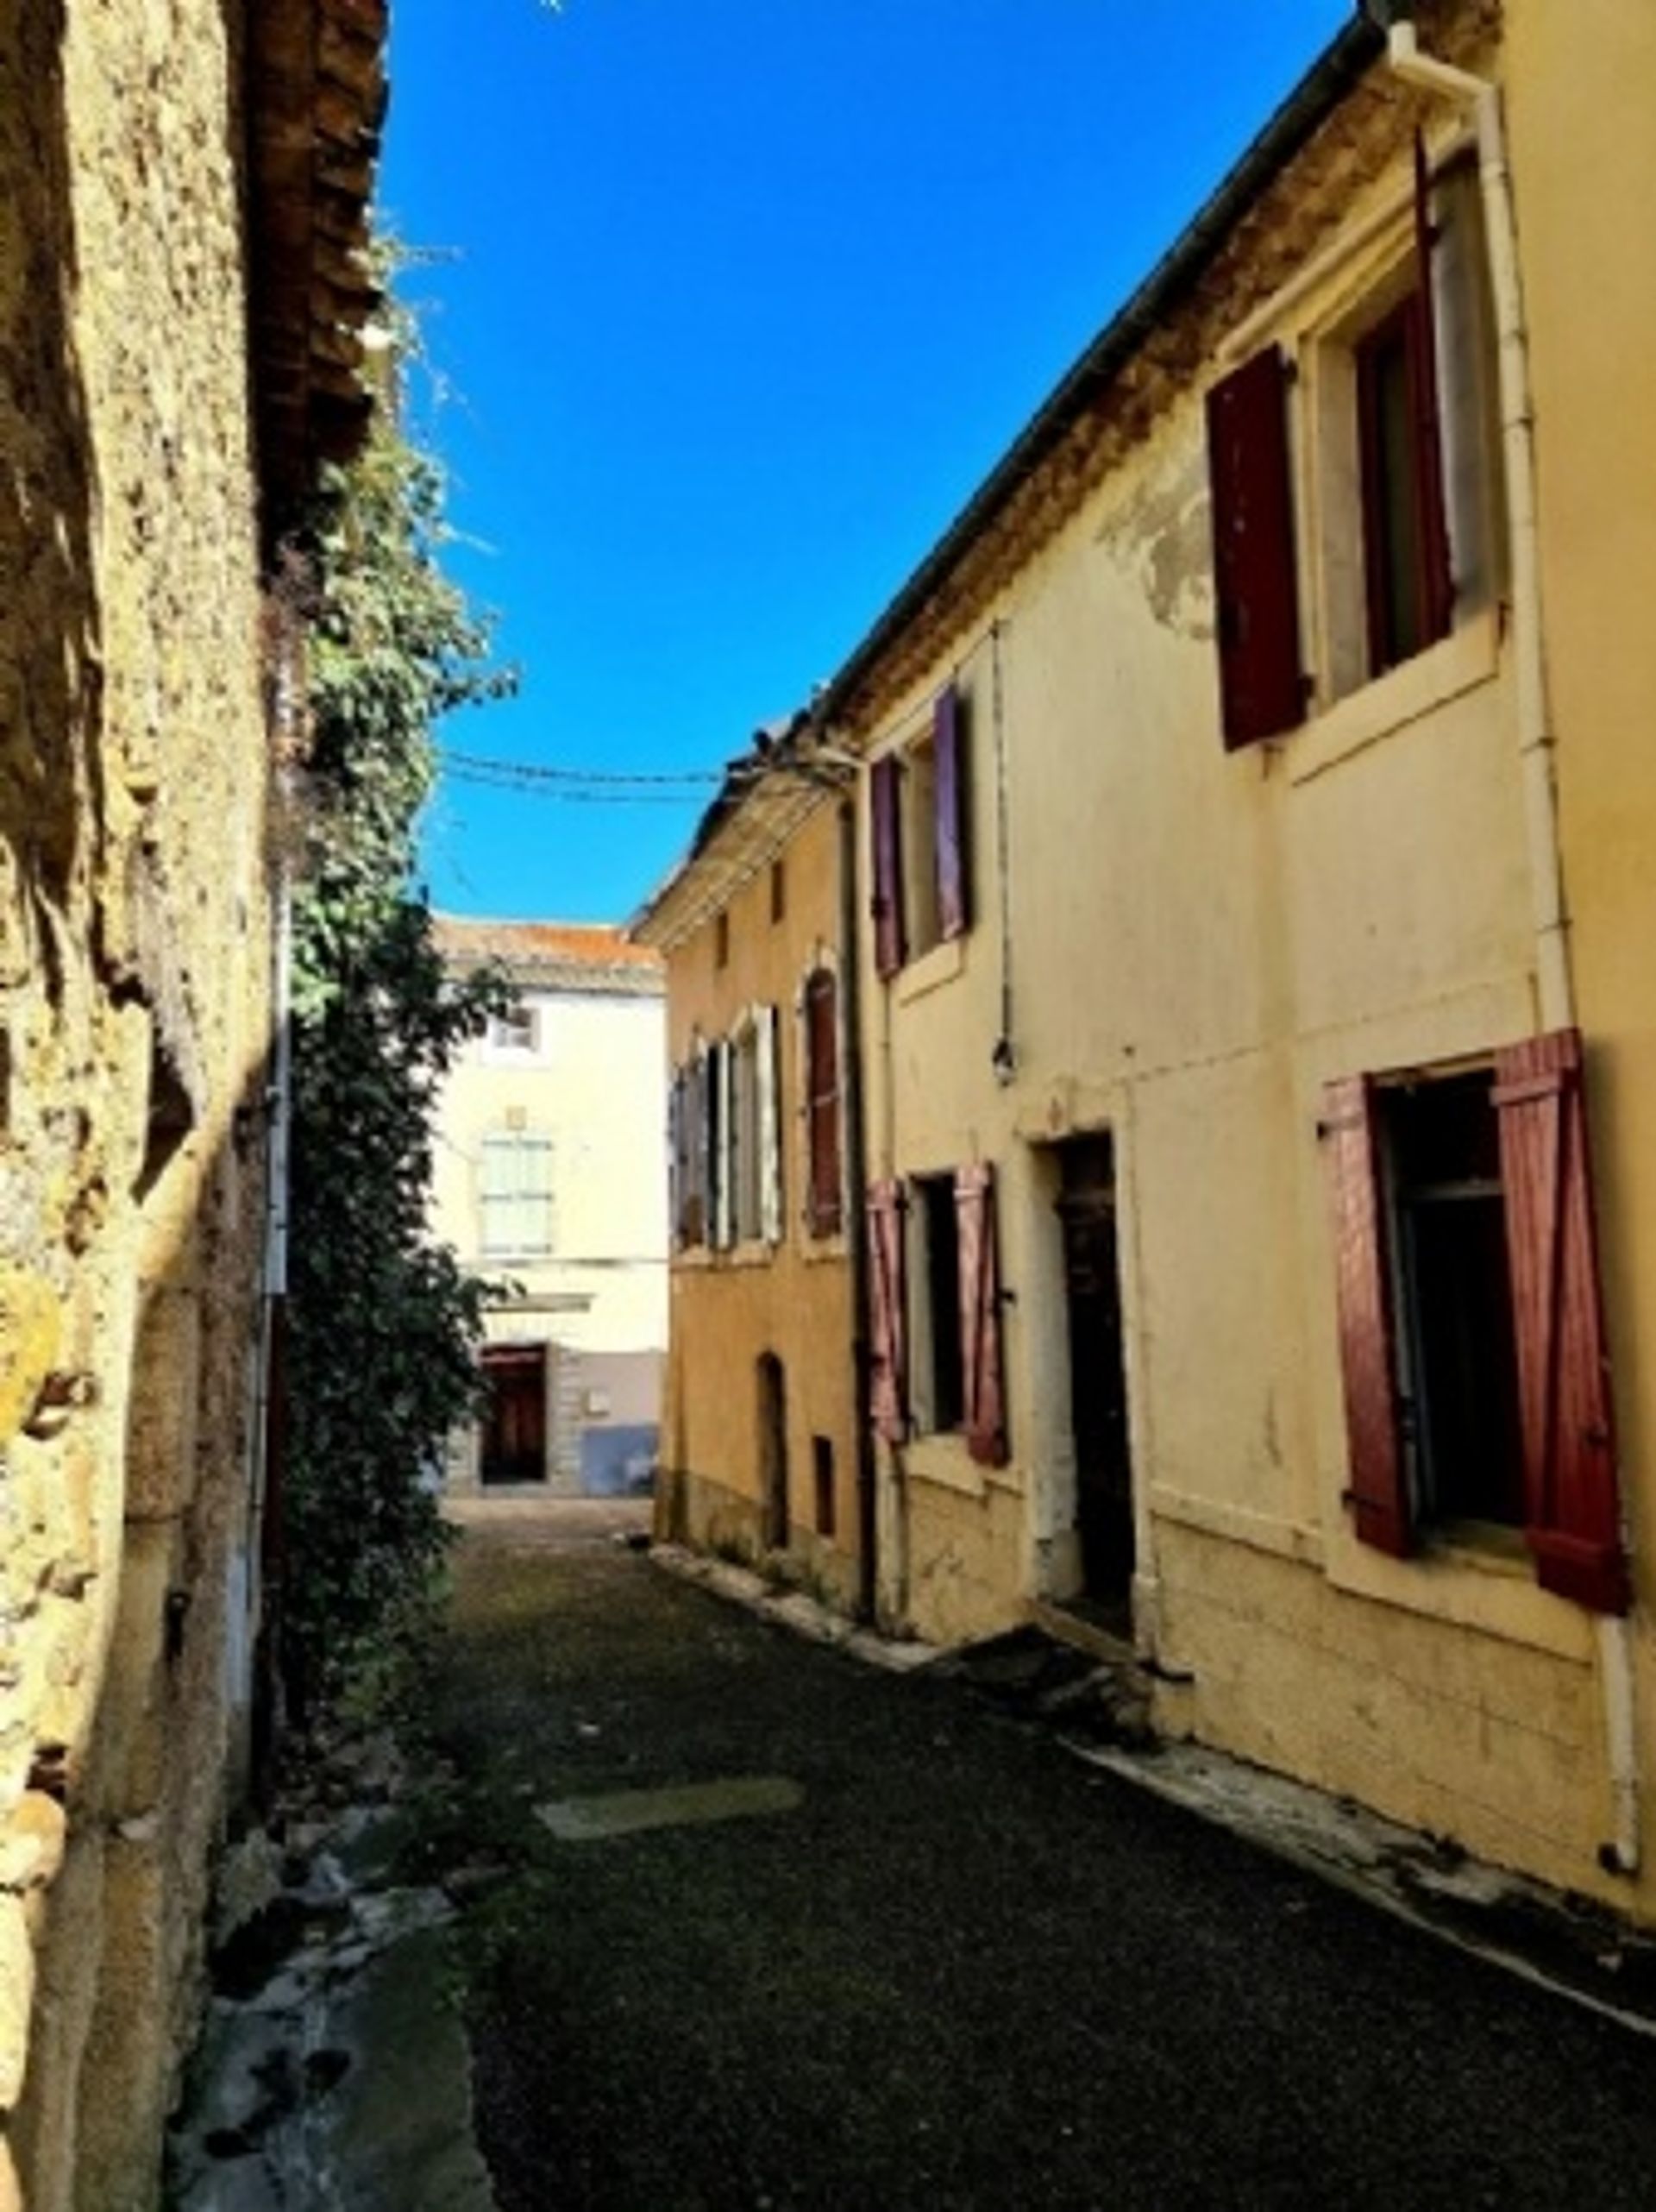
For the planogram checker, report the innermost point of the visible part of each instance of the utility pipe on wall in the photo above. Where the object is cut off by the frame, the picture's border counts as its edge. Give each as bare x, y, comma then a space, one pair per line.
1555, 985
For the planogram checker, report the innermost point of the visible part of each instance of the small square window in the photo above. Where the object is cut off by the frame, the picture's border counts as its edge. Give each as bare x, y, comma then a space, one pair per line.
516, 1031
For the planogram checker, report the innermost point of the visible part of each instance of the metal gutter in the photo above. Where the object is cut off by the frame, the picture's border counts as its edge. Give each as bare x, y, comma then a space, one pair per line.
1345, 59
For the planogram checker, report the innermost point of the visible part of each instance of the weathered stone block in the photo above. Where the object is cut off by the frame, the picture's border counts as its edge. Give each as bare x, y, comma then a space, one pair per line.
31, 1328
16, 1996
31, 1843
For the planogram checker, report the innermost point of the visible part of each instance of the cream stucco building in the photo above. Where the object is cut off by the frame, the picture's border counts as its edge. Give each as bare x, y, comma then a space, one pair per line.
1254, 840
1220, 930
549, 1137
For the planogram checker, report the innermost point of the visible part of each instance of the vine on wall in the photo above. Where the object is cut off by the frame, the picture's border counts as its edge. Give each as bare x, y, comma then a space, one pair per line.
382, 1322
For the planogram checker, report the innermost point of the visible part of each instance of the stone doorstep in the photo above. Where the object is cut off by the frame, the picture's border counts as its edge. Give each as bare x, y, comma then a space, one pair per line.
1084, 1684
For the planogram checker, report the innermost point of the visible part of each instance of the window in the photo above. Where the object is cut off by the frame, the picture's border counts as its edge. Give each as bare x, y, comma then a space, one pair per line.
917, 808
1387, 404
1471, 1340
1405, 553
824, 1203
724, 1144
935, 1354
515, 1195
939, 1386
821, 1478
721, 940
515, 1032
778, 890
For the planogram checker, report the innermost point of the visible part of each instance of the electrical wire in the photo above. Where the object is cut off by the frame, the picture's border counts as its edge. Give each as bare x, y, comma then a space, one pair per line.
584, 786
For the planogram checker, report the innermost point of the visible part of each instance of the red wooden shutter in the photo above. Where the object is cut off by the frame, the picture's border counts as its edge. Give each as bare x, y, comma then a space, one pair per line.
885, 798
821, 1100
979, 1316
1573, 1515
676, 1193
1378, 1494
1255, 577
887, 1312
1437, 583
949, 796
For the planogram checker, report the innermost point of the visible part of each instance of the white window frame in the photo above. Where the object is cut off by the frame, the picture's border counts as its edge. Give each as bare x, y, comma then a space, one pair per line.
520, 1147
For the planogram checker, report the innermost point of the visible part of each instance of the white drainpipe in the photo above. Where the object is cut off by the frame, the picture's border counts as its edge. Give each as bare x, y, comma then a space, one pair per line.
1555, 986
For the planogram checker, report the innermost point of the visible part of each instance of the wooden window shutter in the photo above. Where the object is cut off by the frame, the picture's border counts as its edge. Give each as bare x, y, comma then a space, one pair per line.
887, 1312
822, 1101
1256, 580
1573, 1522
722, 1153
1437, 581
770, 1128
949, 792
980, 1316
676, 1190
885, 796
1378, 1493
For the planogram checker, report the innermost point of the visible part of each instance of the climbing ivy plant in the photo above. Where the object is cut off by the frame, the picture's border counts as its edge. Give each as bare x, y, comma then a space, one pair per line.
382, 1321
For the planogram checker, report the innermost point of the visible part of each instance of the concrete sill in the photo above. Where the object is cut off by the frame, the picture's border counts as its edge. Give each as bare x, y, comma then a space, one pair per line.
940, 965
1465, 659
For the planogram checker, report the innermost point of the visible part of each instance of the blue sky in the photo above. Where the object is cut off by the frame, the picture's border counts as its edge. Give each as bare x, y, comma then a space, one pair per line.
740, 301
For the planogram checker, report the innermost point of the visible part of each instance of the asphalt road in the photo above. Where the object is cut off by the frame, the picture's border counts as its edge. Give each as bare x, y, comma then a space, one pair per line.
962, 1969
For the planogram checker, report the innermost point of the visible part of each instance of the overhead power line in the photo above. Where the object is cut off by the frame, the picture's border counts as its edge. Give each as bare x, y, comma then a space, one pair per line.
592, 786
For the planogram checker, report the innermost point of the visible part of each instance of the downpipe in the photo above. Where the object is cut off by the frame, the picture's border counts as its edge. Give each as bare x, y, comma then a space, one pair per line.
1554, 983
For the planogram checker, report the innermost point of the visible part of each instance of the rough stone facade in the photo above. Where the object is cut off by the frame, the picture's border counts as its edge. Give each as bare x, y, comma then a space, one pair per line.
135, 1028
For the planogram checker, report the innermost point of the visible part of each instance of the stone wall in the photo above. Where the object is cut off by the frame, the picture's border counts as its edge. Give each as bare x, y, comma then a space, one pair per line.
134, 1021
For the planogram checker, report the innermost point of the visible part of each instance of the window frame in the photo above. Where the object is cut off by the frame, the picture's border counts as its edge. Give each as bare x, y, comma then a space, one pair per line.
517, 1144
919, 807
1572, 1524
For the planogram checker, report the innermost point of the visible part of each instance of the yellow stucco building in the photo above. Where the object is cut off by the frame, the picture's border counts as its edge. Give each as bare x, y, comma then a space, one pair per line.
1254, 831
762, 1456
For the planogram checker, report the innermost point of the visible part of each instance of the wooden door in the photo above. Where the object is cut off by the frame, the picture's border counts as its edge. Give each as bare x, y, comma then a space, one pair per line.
1098, 1394
514, 1422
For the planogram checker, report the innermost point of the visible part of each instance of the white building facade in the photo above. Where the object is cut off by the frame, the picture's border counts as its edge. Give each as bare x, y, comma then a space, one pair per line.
547, 1181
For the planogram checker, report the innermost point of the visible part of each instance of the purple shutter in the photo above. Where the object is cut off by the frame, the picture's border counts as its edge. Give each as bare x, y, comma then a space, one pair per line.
979, 1316
950, 793
1437, 583
822, 1101
1376, 1491
887, 1312
885, 801
1255, 578
1572, 1513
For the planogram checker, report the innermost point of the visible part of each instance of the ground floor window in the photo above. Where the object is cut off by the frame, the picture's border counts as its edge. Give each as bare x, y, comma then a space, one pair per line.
1472, 1335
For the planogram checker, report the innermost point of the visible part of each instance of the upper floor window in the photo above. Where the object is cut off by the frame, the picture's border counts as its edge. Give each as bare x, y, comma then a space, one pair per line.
917, 803
1353, 479
825, 1204
515, 1032
724, 1138
515, 1195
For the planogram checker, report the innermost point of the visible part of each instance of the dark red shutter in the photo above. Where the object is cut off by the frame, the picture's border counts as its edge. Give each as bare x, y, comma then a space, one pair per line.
1437, 583
887, 1312
821, 1100
1376, 1491
1255, 579
949, 793
1572, 1513
884, 800
979, 1316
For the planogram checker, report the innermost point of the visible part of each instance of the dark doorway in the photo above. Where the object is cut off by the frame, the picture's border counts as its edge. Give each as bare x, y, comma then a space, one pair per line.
773, 1452
514, 1423
1098, 1394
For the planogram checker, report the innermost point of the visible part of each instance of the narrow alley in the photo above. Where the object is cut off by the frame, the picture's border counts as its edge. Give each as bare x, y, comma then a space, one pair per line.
929, 1958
